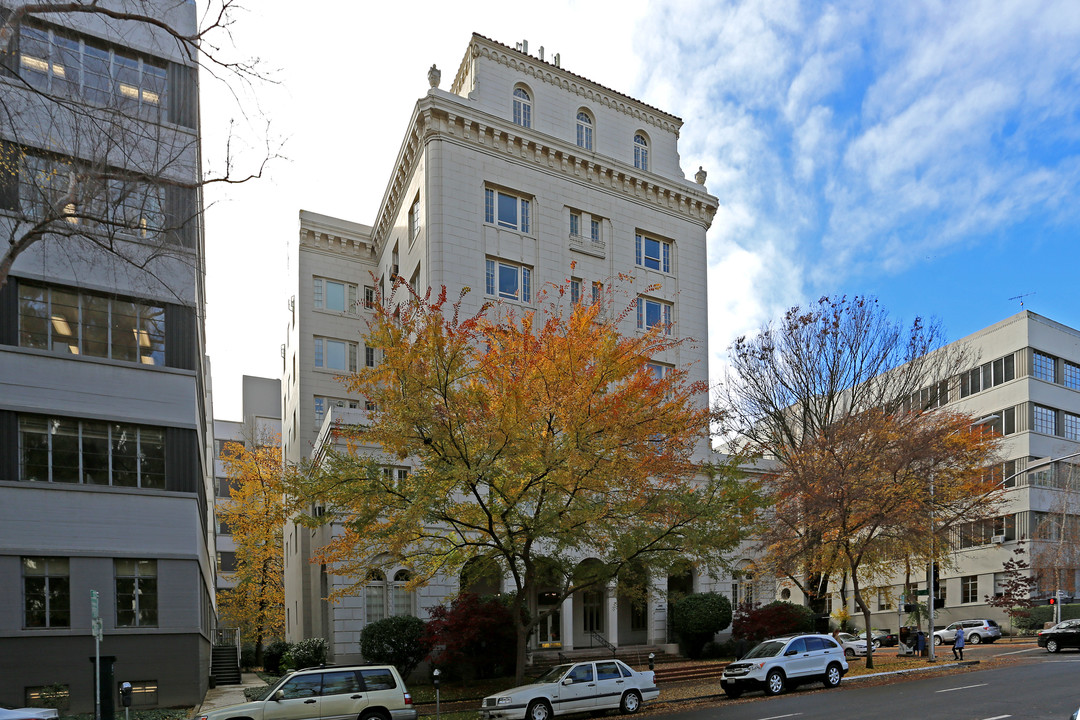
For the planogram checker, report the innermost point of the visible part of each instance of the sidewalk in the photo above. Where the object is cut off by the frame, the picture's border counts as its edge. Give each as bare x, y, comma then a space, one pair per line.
223, 695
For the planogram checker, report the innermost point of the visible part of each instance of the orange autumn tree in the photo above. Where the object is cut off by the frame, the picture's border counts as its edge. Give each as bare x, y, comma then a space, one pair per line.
857, 500
255, 514
537, 440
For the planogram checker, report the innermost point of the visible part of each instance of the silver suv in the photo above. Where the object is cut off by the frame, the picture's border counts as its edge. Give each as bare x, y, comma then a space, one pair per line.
784, 663
366, 692
975, 632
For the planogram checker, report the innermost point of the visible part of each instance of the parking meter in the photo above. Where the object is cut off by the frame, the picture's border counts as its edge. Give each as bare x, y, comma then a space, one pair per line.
125, 694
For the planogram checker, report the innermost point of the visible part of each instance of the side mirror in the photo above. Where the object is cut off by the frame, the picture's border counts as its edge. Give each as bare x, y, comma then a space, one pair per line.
279, 695
791, 652
568, 681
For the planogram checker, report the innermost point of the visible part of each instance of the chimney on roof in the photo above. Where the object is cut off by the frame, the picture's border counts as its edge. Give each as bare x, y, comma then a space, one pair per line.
523, 46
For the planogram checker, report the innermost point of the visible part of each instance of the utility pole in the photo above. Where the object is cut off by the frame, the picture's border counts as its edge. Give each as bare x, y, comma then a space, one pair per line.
95, 624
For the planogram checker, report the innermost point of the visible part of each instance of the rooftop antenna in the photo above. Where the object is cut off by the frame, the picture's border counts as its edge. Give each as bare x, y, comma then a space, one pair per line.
1021, 297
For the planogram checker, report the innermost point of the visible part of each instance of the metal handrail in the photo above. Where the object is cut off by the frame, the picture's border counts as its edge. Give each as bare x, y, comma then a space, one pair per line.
597, 637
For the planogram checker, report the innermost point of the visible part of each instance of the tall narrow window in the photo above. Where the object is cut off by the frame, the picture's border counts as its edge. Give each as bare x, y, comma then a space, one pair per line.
414, 218
641, 152
522, 108
46, 592
136, 593
1043, 366
402, 595
584, 130
653, 254
375, 596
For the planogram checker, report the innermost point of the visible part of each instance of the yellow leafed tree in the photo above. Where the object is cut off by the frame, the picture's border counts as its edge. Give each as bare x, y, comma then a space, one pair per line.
255, 514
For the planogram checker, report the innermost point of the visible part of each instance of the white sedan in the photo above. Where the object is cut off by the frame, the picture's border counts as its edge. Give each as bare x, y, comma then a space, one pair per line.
574, 688
852, 645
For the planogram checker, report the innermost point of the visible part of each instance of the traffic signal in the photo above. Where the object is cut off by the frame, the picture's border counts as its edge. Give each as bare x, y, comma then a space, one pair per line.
910, 607
1052, 601
939, 603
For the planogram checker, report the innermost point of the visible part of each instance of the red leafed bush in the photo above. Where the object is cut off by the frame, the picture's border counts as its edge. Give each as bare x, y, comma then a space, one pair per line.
473, 637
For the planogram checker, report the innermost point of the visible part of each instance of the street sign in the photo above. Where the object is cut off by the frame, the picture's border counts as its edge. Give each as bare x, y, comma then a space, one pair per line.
922, 592
96, 625
93, 604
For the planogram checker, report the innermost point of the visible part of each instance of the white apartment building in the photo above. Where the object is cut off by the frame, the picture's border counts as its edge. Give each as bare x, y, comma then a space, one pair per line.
1024, 380
104, 401
520, 175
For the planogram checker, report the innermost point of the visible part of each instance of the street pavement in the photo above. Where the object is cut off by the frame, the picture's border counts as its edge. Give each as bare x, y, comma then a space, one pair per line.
224, 695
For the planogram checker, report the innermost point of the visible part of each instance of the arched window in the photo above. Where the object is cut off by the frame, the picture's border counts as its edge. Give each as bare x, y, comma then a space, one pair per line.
584, 130
375, 596
402, 597
522, 107
641, 152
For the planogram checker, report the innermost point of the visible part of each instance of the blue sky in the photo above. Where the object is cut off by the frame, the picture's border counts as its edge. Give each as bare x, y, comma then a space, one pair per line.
924, 152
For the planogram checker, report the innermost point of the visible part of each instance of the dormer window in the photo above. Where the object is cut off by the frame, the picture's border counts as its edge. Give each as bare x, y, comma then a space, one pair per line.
584, 130
522, 107
641, 152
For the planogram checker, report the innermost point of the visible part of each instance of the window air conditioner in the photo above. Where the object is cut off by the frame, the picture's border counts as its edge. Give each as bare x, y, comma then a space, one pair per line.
998, 539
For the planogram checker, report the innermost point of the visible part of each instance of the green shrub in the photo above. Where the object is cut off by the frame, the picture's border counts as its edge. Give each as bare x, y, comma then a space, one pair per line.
247, 656
396, 641
309, 652
272, 656
697, 617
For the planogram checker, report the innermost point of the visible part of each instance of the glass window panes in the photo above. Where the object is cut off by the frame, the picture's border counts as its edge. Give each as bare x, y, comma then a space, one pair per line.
641, 152
80, 323
136, 593
1043, 366
1072, 375
522, 108
1044, 420
63, 450
653, 254
46, 592
335, 296
584, 130
652, 312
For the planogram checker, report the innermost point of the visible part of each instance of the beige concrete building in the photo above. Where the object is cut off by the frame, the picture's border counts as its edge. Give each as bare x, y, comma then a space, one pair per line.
1024, 380
519, 175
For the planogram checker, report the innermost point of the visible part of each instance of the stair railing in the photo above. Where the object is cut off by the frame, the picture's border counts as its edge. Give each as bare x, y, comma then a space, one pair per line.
601, 640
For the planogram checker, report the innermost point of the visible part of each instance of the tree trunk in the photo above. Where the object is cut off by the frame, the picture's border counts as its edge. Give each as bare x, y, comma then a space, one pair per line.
866, 620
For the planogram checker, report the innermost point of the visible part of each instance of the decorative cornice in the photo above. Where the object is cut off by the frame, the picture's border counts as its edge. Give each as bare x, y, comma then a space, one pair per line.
315, 238
546, 72
435, 117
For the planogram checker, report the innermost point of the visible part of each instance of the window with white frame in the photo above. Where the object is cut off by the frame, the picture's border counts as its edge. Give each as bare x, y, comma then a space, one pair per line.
652, 253
136, 593
369, 296
508, 281
414, 218
320, 409
335, 354
659, 370
507, 210
1044, 420
969, 589
653, 312
884, 600
522, 107
402, 596
375, 596
575, 224
594, 229
333, 295
46, 592
597, 291
1043, 366
575, 290
641, 152
369, 356
584, 130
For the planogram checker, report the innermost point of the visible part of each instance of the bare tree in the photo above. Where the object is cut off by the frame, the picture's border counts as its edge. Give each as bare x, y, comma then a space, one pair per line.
1056, 537
99, 143
792, 387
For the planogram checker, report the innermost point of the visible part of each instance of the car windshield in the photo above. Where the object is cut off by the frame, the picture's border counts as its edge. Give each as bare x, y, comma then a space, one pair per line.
769, 648
554, 674
845, 637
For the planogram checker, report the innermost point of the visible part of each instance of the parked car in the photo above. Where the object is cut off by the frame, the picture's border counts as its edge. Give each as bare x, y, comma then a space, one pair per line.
9, 713
882, 637
592, 686
780, 663
852, 645
365, 692
1066, 634
975, 632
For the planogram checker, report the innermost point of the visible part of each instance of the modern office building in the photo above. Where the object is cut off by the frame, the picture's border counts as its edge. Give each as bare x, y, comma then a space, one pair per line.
260, 423
520, 175
104, 405
1023, 380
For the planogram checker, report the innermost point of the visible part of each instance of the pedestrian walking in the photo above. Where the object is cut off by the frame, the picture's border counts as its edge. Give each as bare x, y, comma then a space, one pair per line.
958, 644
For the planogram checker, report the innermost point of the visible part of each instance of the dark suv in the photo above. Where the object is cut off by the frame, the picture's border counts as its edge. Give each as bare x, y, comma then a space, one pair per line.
1066, 634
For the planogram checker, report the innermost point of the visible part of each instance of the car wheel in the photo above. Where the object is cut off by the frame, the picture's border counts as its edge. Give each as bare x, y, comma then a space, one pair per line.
774, 682
538, 710
974, 639
877, 644
937, 640
631, 703
374, 715
832, 676
849, 653
1052, 646
733, 692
